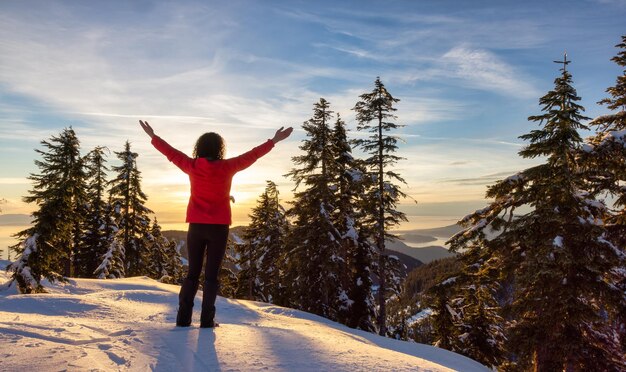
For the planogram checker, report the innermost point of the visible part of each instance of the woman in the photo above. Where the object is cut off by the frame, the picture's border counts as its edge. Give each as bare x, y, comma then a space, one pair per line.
208, 212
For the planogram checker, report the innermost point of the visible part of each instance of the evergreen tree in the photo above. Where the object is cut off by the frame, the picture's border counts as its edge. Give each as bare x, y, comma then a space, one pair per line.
130, 211
374, 113
443, 315
356, 251
228, 279
605, 161
175, 265
94, 241
163, 260
557, 252
313, 258
479, 327
112, 264
46, 249
261, 257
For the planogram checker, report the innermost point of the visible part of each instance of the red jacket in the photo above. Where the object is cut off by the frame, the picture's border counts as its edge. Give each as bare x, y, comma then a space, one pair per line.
210, 180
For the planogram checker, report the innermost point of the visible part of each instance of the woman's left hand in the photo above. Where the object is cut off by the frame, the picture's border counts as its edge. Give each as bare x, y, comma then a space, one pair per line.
281, 134
147, 128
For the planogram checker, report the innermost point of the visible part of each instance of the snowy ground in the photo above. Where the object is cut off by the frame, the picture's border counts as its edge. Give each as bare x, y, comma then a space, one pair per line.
127, 324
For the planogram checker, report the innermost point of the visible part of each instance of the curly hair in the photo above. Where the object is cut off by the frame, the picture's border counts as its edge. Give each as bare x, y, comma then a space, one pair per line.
211, 146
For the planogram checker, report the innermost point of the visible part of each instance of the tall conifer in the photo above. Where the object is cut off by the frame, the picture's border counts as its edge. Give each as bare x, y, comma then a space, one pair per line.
356, 250
130, 211
262, 256
374, 114
46, 249
94, 241
558, 252
313, 258
605, 159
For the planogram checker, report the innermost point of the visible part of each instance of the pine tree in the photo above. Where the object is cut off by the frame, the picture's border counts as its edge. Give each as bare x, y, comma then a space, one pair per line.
356, 251
227, 277
162, 258
605, 161
261, 257
130, 211
557, 252
112, 264
94, 241
313, 260
374, 113
47, 247
479, 327
443, 315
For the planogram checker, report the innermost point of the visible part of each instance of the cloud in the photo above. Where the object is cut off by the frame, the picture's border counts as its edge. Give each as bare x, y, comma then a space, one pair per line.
481, 69
480, 180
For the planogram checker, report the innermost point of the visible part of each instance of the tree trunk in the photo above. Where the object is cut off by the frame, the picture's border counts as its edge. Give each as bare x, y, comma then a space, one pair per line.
382, 326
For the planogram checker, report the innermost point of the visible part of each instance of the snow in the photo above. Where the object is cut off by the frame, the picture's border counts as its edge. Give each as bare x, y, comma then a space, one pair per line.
587, 147
237, 239
558, 241
618, 136
448, 281
515, 178
356, 175
128, 325
419, 316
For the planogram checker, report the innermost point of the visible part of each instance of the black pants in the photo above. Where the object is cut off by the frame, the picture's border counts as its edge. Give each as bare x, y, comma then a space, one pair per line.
204, 240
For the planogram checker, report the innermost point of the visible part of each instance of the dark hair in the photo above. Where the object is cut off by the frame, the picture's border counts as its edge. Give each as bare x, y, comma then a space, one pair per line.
210, 146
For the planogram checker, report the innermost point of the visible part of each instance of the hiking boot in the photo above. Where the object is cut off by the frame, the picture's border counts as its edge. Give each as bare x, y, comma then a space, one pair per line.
185, 302
183, 318
207, 317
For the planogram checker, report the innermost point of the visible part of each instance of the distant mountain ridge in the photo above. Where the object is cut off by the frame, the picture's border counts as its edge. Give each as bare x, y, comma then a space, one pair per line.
405, 253
408, 260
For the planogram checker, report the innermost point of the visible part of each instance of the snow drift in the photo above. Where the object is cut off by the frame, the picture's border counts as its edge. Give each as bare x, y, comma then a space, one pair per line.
128, 324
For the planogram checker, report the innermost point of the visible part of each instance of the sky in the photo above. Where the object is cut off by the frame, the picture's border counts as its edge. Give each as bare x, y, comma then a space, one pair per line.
467, 73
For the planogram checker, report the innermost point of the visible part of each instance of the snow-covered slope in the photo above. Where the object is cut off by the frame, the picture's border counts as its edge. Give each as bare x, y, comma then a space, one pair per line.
127, 324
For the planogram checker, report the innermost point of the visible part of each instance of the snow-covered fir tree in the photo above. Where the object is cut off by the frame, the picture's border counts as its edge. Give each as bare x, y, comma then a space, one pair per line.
261, 277
313, 255
605, 159
112, 264
94, 241
163, 260
356, 250
479, 327
443, 316
555, 249
130, 211
46, 249
375, 114
227, 275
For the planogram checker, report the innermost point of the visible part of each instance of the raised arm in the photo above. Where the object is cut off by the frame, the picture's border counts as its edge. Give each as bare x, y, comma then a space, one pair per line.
181, 160
243, 161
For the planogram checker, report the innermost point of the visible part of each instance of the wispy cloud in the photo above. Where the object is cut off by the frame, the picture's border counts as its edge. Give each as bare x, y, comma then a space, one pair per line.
482, 69
480, 180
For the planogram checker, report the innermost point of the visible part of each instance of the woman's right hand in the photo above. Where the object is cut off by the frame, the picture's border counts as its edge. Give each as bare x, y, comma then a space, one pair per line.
147, 128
